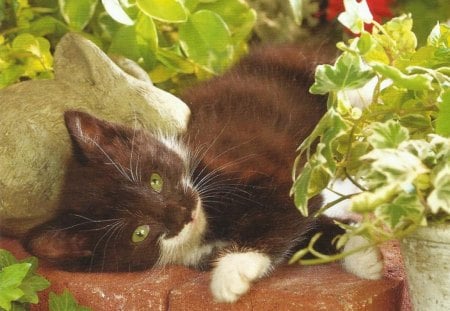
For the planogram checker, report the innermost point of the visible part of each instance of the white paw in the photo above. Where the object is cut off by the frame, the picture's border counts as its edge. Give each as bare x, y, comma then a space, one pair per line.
366, 264
234, 273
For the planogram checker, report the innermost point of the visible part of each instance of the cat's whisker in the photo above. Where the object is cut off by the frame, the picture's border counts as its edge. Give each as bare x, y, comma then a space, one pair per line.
119, 168
219, 170
115, 230
108, 229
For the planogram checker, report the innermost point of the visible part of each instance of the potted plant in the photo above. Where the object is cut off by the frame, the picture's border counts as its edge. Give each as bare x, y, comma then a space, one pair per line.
393, 145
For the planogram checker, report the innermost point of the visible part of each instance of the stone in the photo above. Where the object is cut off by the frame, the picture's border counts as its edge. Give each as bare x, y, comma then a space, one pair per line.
34, 144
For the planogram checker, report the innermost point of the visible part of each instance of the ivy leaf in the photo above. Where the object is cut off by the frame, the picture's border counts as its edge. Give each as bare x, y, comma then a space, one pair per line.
406, 209
415, 82
439, 198
393, 166
11, 278
443, 117
301, 187
115, 10
6, 259
30, 286
387, 135
206, 39
170, 11
77, 13
348, 72
64, 302
355, 15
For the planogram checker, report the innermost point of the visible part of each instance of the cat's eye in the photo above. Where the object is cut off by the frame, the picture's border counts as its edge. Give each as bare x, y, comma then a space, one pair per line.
156, 182
140, 233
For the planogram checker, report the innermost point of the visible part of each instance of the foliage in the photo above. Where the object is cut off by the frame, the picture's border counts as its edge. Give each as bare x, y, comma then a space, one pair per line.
394, 144
175, 41
20, 283
64, 302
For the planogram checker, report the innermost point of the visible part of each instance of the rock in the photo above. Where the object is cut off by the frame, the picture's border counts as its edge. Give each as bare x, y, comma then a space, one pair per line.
34, 145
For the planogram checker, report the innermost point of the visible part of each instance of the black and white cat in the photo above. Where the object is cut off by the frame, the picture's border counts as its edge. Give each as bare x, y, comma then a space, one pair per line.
216, 198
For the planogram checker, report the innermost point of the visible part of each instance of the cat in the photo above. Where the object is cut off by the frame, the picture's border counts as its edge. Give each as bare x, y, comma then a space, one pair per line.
216, 198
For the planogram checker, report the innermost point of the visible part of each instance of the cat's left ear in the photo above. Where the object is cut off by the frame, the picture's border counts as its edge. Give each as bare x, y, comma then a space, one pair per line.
91, 137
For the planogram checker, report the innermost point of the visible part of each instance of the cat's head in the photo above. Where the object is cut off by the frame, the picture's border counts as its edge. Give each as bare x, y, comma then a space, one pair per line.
126, 202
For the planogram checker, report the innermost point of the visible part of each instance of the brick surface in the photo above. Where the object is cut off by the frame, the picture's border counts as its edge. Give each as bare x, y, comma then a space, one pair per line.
325, 287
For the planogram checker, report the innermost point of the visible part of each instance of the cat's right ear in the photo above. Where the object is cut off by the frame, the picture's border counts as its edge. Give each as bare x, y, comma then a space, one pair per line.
89, 135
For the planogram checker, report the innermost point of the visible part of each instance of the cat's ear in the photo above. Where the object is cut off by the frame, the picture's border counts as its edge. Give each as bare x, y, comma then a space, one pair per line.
55, 244
90, 136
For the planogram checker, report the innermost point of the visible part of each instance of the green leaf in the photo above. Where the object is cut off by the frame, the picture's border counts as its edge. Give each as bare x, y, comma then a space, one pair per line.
368, 201
439, 36
387, 135
171, 11
405, 210
355, 15
443, 117
415, 82
347, 73
77, 13
64, 302
30, 286
205, 38
439, 198
6, 259
11, 278
175, 61
146, 32
393, 166
115, 10
124, 43
238, 16
301, 187
296, 9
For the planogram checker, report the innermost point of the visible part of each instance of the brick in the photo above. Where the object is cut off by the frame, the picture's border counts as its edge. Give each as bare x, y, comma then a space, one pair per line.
325, 287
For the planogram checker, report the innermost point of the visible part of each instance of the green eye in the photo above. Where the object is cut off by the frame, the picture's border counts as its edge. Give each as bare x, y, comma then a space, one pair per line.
140, 233
156, 182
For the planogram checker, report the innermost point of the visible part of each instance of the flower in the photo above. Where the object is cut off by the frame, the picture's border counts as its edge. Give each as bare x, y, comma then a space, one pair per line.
380, 9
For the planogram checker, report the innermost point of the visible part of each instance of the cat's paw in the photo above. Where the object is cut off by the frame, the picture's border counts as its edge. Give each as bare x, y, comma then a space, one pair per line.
366, 264
234, 273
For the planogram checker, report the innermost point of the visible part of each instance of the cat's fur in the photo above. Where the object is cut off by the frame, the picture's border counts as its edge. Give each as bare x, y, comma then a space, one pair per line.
224, 202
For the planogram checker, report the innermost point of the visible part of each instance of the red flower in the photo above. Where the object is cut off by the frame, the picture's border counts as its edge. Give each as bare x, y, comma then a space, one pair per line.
380, 9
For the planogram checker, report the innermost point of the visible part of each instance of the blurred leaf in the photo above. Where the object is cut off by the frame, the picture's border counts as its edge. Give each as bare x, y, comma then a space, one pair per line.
175, 61
406, 209
296, 9
6, 259
439, 198
77, 13
415, 82
443, 117
146, 32
387, 135
205, 38
238, 16
124, 43
116, 11
348, 72
64, 302
171, 11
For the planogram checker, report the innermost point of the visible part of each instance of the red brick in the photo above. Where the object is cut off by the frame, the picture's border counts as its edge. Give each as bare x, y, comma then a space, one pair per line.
325, 287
